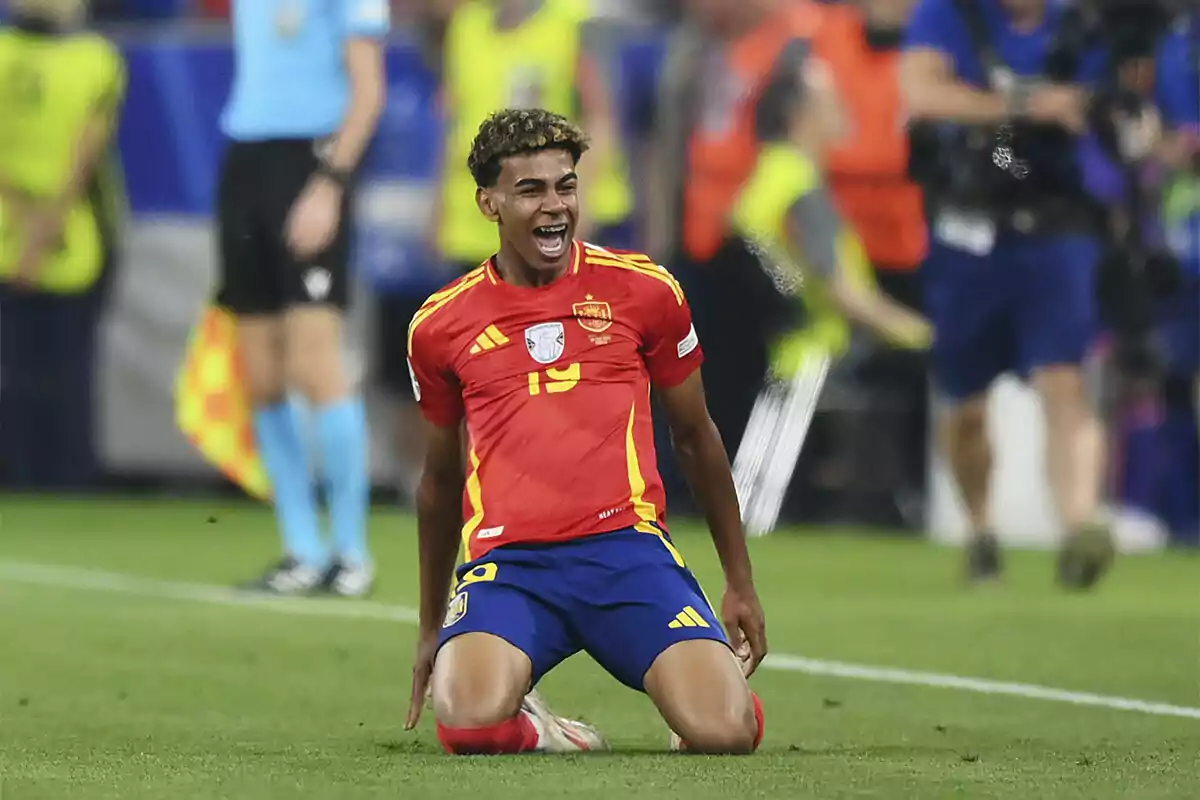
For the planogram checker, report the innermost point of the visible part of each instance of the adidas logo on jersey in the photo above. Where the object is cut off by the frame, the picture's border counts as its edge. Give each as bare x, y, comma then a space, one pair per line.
490, 338
688, 618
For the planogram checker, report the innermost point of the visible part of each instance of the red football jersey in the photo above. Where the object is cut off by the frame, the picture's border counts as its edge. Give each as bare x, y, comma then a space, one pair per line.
554, 383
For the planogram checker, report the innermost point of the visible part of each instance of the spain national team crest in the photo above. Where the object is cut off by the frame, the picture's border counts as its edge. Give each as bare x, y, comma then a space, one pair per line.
546, 342
593, 315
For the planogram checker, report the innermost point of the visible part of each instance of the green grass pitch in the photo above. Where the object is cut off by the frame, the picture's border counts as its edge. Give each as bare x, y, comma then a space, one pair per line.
115, 686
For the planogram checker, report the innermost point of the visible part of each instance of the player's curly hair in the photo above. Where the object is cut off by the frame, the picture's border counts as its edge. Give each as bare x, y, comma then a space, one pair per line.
514, 131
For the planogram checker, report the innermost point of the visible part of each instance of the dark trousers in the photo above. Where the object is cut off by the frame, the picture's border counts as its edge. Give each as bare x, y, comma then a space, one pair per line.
47, 389
886, 442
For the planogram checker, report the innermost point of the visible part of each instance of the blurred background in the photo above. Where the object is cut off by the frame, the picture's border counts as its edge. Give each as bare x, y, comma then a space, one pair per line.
868, 461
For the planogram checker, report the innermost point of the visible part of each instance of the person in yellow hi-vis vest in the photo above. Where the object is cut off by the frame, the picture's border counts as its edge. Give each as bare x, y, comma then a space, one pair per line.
787, 217
61, 92
502, 54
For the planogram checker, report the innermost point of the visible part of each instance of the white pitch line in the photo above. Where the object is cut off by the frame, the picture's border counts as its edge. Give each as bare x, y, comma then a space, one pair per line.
97, 580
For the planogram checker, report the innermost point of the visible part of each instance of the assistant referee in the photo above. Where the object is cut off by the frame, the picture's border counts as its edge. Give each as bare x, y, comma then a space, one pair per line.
308, 91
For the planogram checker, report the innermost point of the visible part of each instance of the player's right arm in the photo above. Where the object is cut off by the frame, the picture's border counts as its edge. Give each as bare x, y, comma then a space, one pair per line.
439, 496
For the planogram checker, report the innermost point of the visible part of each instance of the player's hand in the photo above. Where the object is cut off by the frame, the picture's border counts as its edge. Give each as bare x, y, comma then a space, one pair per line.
422, 671
744, 622
314, 219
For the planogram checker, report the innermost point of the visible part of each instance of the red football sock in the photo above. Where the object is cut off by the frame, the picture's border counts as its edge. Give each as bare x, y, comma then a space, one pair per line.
514, 735
760, 718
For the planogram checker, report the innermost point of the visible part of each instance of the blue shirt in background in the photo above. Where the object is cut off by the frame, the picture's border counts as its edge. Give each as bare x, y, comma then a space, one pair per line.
938, 25
1177, 76
290, 81
1177, 94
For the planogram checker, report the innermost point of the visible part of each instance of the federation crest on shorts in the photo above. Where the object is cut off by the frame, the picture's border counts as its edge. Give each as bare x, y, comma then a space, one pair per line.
456, 610
546, 342
593, 315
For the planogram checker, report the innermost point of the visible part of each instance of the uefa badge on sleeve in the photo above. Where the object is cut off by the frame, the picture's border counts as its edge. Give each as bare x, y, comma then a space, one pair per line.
412, 375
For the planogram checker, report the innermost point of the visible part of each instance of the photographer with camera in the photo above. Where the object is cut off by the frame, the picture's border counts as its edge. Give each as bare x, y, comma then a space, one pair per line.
1000, 94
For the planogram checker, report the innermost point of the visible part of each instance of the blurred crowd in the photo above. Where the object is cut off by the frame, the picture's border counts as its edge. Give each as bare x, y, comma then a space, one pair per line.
669, 183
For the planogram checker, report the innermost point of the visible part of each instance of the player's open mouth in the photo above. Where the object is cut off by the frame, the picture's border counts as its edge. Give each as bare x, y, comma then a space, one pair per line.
551, 239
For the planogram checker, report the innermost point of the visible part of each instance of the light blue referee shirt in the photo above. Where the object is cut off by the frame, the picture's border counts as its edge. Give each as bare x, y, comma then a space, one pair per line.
290, 81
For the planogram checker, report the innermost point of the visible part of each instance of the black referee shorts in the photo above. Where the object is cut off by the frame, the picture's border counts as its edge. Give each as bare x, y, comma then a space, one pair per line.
259, 183
393, 312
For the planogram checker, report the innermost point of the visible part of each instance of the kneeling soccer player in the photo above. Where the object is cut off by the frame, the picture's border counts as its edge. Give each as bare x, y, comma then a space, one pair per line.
548, 351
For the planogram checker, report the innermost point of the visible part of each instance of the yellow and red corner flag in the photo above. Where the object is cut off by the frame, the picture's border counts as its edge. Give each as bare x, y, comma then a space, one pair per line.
212, 408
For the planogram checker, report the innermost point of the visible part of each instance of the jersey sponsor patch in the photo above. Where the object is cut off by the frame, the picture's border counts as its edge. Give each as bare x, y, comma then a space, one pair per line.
412, 374
490, 533
688, 343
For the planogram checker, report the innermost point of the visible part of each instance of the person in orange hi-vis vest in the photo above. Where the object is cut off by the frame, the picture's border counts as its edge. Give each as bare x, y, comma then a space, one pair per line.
725, 90
867, 173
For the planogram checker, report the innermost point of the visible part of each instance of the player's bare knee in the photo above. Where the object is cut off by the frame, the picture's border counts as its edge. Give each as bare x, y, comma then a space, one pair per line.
477, 682
458, 704
732, 730
699, 689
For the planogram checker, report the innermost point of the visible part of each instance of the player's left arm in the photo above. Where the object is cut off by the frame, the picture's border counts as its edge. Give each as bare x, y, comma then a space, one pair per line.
367, 24
673, 358
706, 466
439, 496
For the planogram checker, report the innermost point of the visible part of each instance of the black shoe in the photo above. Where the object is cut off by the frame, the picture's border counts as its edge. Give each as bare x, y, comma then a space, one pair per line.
288, 577
983, 559
348, 581
1086, 556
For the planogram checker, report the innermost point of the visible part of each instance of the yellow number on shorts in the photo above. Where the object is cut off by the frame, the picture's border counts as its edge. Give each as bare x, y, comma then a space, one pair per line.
556, 380
480, 574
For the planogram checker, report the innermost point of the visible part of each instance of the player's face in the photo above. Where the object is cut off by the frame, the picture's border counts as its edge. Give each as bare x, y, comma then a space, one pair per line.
535, 204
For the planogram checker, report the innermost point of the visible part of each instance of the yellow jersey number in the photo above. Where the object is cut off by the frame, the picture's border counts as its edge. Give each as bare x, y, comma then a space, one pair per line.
554, 380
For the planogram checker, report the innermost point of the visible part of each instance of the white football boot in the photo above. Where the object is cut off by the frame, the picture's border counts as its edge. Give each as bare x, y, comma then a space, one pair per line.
558, 734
